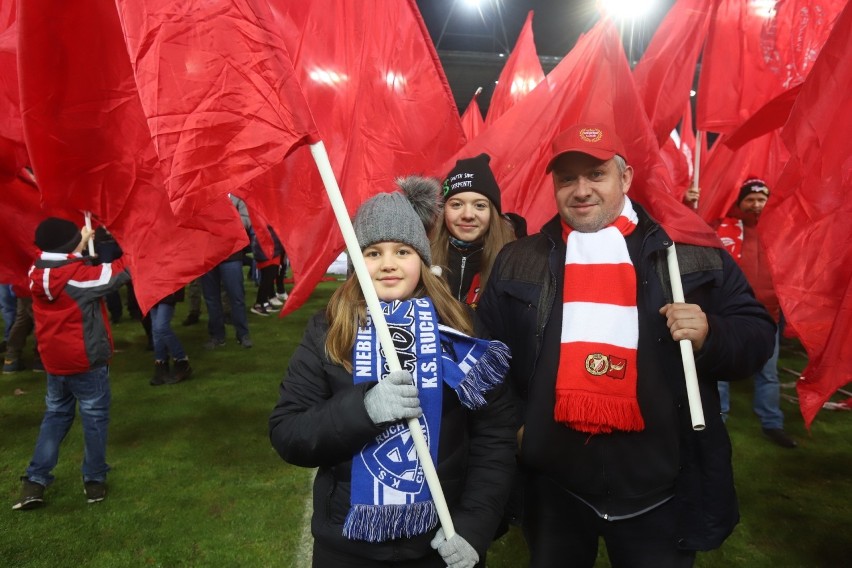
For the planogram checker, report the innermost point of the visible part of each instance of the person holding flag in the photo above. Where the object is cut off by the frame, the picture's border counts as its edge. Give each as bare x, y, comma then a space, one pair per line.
738, 233
607, 446
341, 410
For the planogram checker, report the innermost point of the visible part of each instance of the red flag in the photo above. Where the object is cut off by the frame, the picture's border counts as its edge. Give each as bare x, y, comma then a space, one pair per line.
13, 151
387, 111
754, 52
91, 148
665, 74
519, 143
687, 145
725, 170
218, 91
521, 74
471, 120
771, 116
806, 229
677, 166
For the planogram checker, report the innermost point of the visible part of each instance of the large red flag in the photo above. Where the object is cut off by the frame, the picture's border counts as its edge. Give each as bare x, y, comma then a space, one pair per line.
218, 92
91, 148
519, 143
471, 120
521, 74
687, 145
806, 228
13, 151
755, 51
665, 74
383, 109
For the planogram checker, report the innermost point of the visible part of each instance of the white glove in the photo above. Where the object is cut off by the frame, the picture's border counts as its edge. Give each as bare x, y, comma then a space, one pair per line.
393, 399
456, 552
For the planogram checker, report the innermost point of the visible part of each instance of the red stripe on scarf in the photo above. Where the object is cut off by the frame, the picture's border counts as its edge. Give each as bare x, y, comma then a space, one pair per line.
611, 283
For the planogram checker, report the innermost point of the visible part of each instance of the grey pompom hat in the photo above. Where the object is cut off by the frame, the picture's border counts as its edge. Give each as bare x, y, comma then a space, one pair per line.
404, 216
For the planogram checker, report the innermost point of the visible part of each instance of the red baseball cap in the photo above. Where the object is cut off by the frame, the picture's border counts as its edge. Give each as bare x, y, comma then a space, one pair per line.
598, 140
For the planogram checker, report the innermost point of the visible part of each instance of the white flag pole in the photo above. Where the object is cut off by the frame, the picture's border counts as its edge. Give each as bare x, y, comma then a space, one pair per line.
696, 411
696, 169
88, 217
354, 249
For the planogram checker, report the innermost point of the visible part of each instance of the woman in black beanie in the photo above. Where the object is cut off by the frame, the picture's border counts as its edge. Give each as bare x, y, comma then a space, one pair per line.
473, 231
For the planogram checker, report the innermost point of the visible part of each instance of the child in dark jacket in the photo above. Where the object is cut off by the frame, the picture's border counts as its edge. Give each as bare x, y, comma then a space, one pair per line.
75, 344
341, 410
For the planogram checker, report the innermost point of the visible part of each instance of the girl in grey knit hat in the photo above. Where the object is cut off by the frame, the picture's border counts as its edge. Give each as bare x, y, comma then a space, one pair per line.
342, 411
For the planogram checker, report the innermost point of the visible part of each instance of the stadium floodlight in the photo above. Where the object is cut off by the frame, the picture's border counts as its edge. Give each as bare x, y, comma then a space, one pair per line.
628, 9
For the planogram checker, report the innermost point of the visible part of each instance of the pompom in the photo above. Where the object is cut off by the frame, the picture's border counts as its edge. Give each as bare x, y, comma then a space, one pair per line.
425, 196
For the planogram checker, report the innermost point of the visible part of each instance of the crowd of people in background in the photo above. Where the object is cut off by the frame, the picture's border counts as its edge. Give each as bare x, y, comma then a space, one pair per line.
544, 370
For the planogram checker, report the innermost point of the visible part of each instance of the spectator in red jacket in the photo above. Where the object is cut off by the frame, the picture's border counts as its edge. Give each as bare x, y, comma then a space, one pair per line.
74, 339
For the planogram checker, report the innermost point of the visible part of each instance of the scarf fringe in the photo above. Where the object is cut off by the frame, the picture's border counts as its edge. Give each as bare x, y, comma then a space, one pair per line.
488, 372
596, 414
380, 523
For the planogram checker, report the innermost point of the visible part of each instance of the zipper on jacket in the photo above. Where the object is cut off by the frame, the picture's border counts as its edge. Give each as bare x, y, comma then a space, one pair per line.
461, 279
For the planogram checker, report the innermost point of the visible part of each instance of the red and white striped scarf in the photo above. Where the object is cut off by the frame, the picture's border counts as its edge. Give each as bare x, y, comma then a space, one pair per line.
596, 379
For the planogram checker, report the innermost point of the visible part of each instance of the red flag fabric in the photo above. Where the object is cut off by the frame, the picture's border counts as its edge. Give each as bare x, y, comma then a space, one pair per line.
771, 116
471, 120
677, 166
218, 91
665, 74
754, 52
687, 145
519, 143
91, 148
387, 111
726, 169
521, 74
13, 151
806, 228
20, 203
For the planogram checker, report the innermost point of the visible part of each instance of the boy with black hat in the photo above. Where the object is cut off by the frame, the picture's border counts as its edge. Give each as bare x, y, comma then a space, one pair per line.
76, 345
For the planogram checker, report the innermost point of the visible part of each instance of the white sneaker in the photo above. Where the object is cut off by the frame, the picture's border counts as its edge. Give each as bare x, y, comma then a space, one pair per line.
270, 308
282, 296
275, 302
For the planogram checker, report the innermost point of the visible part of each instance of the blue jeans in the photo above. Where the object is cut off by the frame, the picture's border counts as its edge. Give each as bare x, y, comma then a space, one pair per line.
767, 393
8, 307
164, 338
91, 390
228, 274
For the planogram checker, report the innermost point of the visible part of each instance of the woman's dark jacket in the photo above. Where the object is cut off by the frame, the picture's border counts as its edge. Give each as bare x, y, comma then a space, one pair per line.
621, 473
320, 421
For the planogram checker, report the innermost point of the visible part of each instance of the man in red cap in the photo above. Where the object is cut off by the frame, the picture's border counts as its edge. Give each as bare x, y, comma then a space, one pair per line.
606, 442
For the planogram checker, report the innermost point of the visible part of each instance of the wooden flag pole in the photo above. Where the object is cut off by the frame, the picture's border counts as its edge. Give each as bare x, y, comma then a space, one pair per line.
354, 250
88, 217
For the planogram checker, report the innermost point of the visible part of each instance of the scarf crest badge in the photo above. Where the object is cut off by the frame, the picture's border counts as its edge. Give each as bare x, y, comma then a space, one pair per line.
389, 496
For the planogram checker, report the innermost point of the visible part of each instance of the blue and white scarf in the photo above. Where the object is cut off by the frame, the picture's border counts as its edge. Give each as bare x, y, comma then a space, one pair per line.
389, 495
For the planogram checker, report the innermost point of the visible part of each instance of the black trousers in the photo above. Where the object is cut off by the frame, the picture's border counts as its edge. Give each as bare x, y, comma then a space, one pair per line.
325, 557
563, 532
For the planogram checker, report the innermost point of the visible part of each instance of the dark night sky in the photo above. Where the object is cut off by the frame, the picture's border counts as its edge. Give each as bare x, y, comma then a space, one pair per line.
556, 24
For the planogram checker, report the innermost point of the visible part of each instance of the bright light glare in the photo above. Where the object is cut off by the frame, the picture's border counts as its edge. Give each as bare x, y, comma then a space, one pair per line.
327, 77
763, 8
628, 9
692, 92
395, 81
472, 3
523, 86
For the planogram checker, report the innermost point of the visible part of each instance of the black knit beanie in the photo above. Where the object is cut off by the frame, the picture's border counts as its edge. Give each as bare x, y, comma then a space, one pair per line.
57, 235
752, 185
473, 174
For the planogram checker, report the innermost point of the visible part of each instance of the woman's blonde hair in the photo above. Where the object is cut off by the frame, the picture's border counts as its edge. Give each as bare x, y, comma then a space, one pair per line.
496, 236
347, 311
